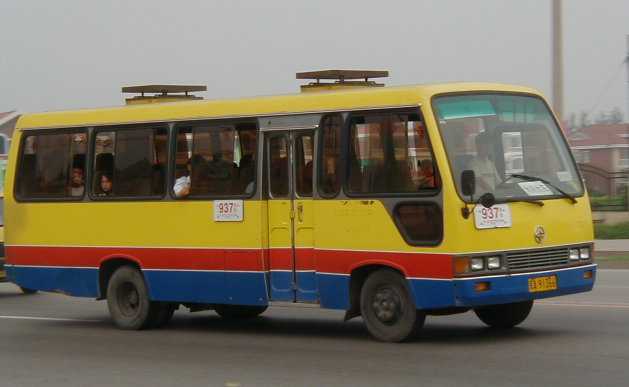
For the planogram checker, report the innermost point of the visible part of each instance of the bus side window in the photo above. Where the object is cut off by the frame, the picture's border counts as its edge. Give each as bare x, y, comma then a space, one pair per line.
329, 174
390, 153
129, 162
221, 158
52, 165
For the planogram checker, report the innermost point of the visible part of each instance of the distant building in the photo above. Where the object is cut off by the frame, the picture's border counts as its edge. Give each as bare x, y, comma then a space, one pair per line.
602, 151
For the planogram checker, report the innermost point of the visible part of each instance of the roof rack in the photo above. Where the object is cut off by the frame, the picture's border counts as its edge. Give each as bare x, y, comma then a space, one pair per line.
162, 93
343, 79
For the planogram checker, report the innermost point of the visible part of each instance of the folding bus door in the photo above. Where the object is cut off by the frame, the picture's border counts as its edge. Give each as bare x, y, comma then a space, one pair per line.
289, 166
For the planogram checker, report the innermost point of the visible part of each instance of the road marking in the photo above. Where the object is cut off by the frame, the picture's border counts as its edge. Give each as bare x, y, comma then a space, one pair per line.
585, 305
46, 318
611, 287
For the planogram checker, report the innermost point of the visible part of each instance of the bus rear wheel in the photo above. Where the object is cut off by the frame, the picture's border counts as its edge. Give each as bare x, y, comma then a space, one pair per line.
504, 316
164, 314
239, 311
128, 301
387, 307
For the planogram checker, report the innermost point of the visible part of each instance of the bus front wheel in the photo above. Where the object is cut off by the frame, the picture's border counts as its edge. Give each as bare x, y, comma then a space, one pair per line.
387, 307
128, 301
504, 316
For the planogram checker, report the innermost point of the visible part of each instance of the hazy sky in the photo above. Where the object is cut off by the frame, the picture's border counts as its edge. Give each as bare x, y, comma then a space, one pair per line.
69, 54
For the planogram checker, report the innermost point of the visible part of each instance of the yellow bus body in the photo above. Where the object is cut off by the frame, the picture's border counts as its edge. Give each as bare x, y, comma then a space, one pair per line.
361, 228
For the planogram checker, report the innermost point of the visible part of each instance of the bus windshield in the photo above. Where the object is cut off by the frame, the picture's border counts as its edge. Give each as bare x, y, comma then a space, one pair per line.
512, 144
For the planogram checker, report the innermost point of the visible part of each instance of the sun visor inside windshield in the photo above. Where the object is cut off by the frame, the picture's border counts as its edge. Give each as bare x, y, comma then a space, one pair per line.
454, 108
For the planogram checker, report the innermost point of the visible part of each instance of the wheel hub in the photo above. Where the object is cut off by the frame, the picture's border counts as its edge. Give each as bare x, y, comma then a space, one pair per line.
128, 299
387, 306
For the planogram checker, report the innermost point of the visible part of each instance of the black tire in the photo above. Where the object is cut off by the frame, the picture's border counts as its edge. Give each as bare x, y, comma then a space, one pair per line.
387, 307
128, 301
164, 314
27, 290
239, 311
504, 316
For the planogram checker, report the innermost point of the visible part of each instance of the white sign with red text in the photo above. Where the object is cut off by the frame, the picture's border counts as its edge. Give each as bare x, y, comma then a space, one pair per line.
496, 216
228, 210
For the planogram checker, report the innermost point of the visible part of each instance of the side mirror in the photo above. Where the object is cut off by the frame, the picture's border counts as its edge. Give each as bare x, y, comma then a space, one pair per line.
468, 182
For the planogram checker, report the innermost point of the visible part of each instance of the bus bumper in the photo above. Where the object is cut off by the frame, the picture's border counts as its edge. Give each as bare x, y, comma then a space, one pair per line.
514, 288
500, 289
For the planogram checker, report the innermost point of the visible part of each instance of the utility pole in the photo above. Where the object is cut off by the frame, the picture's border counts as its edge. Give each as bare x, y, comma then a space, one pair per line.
627, 64
557, 53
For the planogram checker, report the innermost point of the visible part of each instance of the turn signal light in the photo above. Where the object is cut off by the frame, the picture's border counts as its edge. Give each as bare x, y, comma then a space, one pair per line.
461, 265
482, 286
587, 274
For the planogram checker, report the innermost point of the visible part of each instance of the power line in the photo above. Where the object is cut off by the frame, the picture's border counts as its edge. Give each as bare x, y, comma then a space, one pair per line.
607, 86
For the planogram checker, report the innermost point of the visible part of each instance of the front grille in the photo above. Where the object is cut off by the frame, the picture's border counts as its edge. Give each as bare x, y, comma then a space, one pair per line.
534, 259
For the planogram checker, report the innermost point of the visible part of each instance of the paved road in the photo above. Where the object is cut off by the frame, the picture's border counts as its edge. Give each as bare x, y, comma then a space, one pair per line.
54, 340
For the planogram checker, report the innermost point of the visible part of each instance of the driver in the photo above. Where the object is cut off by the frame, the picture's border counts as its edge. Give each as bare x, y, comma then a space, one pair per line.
484, 168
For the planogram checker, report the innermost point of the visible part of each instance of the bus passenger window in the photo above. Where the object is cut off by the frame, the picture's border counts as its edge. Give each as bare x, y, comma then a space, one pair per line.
130, 162
329, 181
390, 153
52, 165
216, 160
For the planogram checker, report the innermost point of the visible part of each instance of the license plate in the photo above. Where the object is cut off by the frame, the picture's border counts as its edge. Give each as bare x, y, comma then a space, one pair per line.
497, 216
542, 284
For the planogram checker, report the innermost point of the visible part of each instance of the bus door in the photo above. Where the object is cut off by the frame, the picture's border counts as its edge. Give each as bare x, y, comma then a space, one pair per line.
289, 163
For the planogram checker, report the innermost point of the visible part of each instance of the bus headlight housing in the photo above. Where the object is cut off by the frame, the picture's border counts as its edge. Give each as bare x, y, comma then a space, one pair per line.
584, 253
477, 264
493, 263
574, 254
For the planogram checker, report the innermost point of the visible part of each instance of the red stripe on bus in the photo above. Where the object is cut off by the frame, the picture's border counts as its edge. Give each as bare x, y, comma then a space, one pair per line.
327, 261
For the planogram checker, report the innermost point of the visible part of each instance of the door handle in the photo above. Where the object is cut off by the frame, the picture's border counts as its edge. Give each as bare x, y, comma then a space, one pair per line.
300, 212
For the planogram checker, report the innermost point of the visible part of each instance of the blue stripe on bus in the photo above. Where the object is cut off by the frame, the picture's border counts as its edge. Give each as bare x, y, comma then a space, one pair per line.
79, 282
211, 287
250, 288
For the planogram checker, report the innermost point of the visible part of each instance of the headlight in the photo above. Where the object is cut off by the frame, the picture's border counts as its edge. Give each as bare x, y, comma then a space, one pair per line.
477, 264
574, 254
585, 253
493, 263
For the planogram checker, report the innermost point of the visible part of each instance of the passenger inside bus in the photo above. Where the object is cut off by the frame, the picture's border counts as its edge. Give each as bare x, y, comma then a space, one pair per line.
183, 183
427, 177
77, 179
487, 176
106, 185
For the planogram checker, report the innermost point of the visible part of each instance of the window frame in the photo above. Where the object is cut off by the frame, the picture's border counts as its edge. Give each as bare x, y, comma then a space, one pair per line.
35, 132
426, 192
92, 160
172, 167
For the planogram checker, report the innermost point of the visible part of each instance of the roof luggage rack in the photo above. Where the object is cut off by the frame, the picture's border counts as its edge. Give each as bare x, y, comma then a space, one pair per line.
161, 93
343, 79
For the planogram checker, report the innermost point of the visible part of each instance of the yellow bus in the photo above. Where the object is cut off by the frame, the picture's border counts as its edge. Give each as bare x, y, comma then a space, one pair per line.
390, 203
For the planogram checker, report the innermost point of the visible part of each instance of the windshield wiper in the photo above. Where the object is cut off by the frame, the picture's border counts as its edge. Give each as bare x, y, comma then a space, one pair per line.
563, 193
